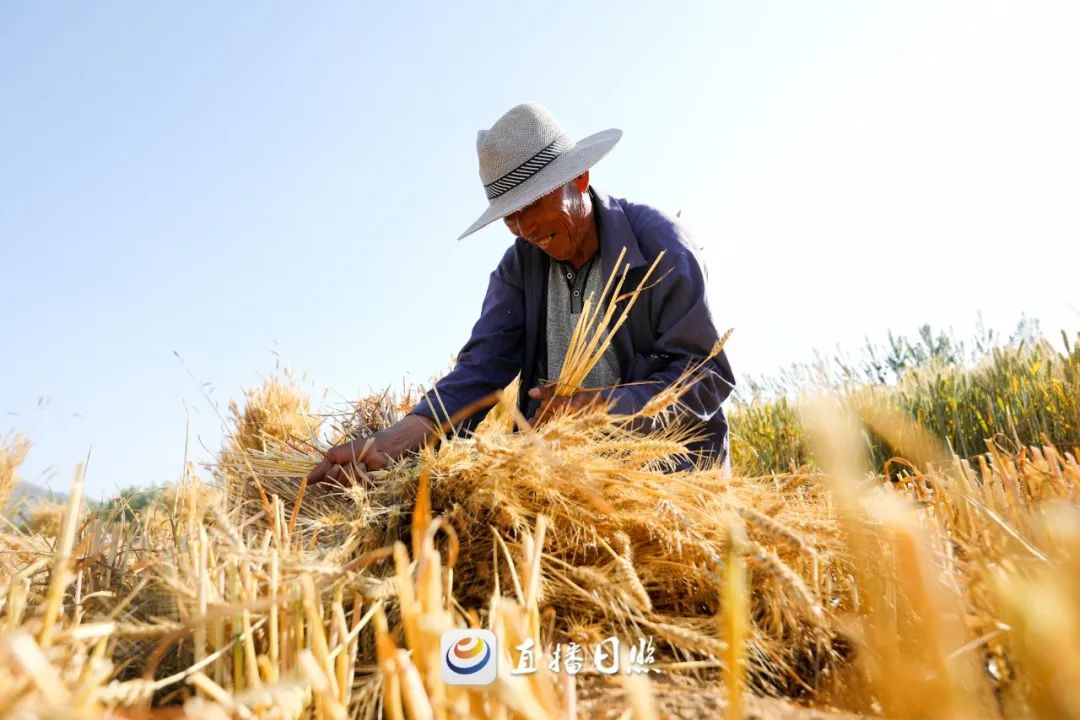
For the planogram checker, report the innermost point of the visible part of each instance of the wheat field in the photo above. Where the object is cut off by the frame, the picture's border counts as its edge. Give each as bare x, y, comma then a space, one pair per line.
859, 562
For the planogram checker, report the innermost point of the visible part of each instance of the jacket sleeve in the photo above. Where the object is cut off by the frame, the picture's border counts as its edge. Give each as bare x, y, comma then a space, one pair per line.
494, 353
683, 333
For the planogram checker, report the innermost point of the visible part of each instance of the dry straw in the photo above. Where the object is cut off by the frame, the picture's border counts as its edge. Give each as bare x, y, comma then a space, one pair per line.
947, 593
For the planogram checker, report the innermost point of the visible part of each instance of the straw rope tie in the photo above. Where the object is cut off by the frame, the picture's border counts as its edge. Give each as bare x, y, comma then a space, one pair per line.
527, 169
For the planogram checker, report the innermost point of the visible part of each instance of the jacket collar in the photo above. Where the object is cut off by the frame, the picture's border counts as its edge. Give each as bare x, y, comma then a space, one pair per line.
615, 233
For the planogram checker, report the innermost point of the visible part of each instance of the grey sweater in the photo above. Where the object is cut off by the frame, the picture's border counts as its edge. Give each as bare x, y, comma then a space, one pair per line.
567, 291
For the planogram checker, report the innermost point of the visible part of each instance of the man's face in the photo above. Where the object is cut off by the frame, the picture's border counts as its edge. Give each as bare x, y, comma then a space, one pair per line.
557, 223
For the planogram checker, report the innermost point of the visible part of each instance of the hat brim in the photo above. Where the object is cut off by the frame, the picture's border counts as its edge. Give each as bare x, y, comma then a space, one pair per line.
583, 155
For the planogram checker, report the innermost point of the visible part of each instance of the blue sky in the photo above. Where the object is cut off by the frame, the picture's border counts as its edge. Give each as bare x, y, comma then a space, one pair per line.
251, 185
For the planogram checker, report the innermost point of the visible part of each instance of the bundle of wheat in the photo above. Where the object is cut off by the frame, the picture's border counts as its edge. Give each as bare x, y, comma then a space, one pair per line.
633, 548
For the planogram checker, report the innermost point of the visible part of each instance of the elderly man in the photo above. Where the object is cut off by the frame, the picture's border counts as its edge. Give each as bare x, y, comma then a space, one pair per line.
568, 238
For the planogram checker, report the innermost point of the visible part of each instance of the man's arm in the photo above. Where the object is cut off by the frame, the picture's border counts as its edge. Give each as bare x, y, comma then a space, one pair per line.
488, 362
491, 358
684, 334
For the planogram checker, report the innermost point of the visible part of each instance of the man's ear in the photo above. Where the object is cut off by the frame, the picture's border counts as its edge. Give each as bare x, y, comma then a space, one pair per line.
582, 181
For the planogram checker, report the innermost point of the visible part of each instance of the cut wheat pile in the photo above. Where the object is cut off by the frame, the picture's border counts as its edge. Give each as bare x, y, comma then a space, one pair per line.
950, 594
569, 533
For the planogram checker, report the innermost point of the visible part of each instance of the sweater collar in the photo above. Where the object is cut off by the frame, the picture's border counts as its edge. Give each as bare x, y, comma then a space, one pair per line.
615, 233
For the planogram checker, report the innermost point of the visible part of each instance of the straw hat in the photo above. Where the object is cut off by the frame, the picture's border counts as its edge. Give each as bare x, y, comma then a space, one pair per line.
526, 155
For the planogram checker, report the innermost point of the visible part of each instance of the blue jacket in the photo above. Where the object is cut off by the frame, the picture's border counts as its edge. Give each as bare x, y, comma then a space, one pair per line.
668, 327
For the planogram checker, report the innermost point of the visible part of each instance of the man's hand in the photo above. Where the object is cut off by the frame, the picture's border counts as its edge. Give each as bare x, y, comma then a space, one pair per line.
552, 404
362, 454
375, 452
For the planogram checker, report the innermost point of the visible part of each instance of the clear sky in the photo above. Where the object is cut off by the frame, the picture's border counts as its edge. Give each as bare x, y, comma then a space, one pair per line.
248, 184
